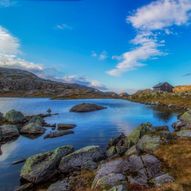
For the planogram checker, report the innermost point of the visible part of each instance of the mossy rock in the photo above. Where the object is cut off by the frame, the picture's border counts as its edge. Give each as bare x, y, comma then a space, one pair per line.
40, 167
14, 116
186, 117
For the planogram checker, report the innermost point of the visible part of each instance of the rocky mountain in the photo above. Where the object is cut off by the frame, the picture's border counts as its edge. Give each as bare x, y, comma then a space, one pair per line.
20, 83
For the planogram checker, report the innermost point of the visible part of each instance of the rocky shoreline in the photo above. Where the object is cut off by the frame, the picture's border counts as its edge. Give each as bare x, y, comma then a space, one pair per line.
129, 163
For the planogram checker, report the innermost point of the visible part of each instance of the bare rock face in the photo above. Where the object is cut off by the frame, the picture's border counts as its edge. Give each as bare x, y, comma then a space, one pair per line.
85, 158
8, 132
41, 167
86, 107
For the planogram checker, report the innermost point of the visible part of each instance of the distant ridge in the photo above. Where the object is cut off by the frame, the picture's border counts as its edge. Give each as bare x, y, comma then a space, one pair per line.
21, 83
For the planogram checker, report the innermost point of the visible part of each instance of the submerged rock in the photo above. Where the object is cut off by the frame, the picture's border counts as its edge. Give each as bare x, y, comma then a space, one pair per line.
85, 158
14, 116
32, 129
58, 134
86, 107
41, 167
8, 132
62, 126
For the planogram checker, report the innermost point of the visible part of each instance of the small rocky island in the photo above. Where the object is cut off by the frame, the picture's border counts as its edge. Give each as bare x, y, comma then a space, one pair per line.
86, 107
147, 159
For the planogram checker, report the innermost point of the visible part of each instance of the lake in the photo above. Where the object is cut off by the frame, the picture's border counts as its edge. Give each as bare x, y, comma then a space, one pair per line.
93, 128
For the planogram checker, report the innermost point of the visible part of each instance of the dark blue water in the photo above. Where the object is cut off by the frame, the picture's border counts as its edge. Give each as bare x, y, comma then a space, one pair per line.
93, 128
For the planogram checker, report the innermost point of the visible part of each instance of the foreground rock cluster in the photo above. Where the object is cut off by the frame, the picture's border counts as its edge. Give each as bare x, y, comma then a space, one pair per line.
127, 164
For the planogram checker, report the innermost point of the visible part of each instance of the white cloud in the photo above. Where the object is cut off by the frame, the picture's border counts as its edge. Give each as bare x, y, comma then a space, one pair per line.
64, 27
159, 15
83, 81
10, 53
100, 56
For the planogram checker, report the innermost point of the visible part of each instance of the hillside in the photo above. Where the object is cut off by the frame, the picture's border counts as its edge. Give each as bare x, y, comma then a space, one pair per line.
186, 88
20, 83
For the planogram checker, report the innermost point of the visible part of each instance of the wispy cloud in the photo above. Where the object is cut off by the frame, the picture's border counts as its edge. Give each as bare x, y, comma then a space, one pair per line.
148, 20
64, 27
187, 74
10, 53
100, 56
10, 57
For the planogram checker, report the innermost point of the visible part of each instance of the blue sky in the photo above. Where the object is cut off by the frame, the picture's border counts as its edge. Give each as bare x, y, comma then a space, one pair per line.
114, 44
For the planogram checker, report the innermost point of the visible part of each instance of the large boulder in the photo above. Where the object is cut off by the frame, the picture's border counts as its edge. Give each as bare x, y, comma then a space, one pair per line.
162, 179
14, 116
186, 117
110, 173
138, 132
148, 143
143, 168
86, 107
85, 158
41, 167
8, 132
32, 129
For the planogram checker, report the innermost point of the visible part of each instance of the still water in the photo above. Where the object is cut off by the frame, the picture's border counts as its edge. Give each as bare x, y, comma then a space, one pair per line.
93, 128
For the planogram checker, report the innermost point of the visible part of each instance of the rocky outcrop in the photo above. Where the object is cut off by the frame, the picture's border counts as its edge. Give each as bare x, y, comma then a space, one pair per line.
32, 129
14, 116
41, 167
8, 132
86, 107
85, 158
62, 185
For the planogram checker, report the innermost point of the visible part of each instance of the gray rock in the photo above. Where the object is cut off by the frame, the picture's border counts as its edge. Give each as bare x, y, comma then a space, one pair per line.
179, 125
162, 179
58, 134
119, 188
32, 129
62, 126
14, 116
63, 185
85, 158
148, 143
41, 167
86, 107
110, 173
8, 132
184, 133
131, 151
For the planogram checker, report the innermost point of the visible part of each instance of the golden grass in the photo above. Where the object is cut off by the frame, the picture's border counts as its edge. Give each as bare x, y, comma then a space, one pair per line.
176, 158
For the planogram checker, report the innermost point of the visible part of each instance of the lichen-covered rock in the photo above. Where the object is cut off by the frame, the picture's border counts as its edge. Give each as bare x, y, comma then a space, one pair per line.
41, 167
110, 173
184, 133
148, 143
8, 132
86, 107
111, 151
32, 129
14, 116
131, 151
138, 132
186, 117
85, 158
62, 126
162, 179
37, 120
62, 185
